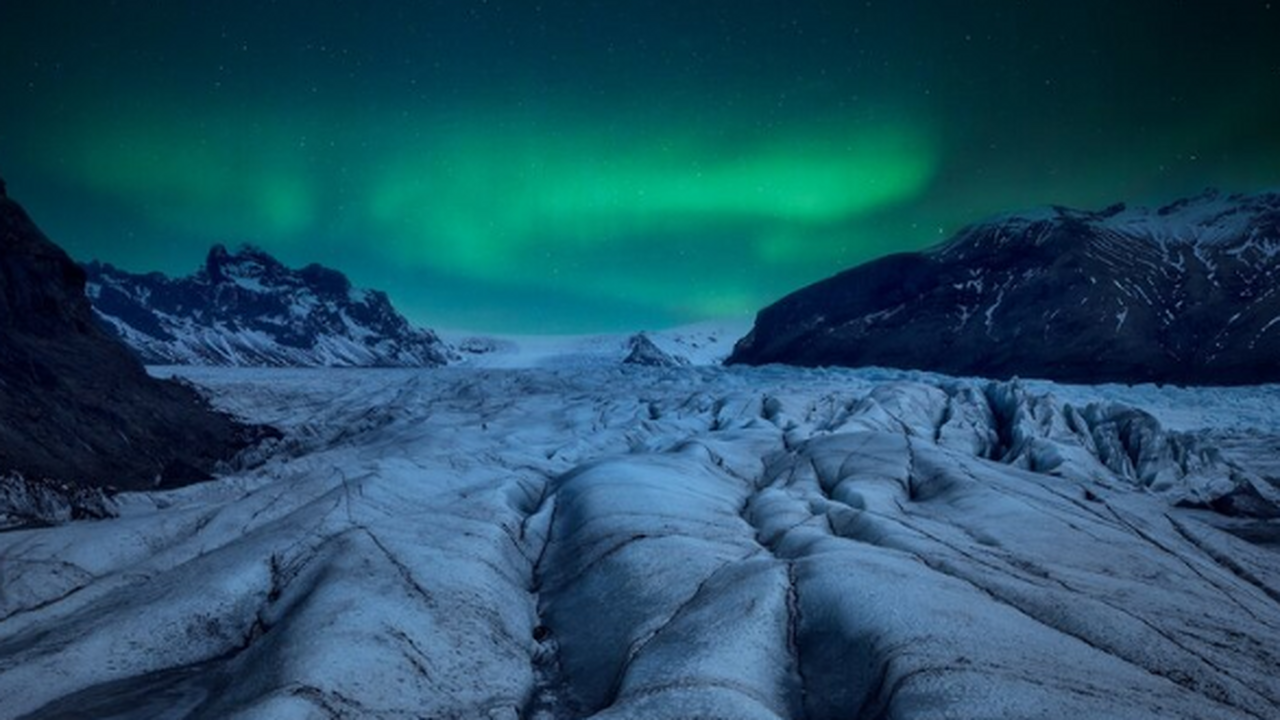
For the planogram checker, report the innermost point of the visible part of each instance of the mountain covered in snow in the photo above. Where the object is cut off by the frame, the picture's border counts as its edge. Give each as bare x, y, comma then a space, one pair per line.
1186, 293
246, 308
700, 344
642, 350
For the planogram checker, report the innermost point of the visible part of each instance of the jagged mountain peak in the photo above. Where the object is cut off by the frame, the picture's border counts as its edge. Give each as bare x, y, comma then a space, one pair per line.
248, 308
252, 268
642, 350
248, 261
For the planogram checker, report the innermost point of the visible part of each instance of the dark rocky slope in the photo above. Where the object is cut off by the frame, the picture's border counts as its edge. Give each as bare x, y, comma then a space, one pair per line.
77, 409
1183, 294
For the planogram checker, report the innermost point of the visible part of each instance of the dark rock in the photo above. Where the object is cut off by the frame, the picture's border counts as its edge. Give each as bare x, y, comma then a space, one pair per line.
643, 351
37, 503
76, 407
1245, 501
1185, 294
247, 308
478, 345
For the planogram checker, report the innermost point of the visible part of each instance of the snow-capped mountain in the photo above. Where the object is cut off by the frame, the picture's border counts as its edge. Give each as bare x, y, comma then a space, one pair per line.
246, 308
642, 350
703, 343
1186, 293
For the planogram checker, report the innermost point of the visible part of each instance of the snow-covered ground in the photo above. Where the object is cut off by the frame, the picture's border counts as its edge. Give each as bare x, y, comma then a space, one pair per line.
706, 343
695, 542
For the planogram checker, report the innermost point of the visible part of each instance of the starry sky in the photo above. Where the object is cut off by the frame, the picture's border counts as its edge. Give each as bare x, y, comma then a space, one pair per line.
568, 166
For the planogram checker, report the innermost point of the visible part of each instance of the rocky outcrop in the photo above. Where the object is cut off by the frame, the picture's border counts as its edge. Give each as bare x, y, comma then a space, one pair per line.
1183, 294
643, 351
76, 407
25, 502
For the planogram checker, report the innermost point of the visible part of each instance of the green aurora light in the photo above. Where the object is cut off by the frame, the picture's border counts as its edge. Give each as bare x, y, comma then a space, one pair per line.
567, 166
539, 208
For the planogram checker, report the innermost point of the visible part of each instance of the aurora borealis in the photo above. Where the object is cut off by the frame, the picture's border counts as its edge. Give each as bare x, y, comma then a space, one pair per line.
607, 165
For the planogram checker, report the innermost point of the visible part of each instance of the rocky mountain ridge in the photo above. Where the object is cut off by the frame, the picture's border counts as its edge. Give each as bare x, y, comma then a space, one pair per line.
247, 308
1185, 293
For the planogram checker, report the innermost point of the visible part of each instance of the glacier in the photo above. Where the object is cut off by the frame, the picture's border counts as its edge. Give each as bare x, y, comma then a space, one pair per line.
687, 542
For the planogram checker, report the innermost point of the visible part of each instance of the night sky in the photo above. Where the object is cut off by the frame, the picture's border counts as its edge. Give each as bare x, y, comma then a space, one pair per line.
612, 164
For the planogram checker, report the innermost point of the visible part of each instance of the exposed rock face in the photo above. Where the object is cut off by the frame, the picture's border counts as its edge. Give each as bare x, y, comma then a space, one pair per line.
76, 406
25, 502
1183, 294
643, 351
246, 308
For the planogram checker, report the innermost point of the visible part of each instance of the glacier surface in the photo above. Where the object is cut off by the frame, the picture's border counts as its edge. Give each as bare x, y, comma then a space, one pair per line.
629, 542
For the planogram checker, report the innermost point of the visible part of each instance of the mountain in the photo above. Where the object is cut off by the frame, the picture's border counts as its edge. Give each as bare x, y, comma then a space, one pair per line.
1186, 294
643, 351
77, 409
700, 344
247, 308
